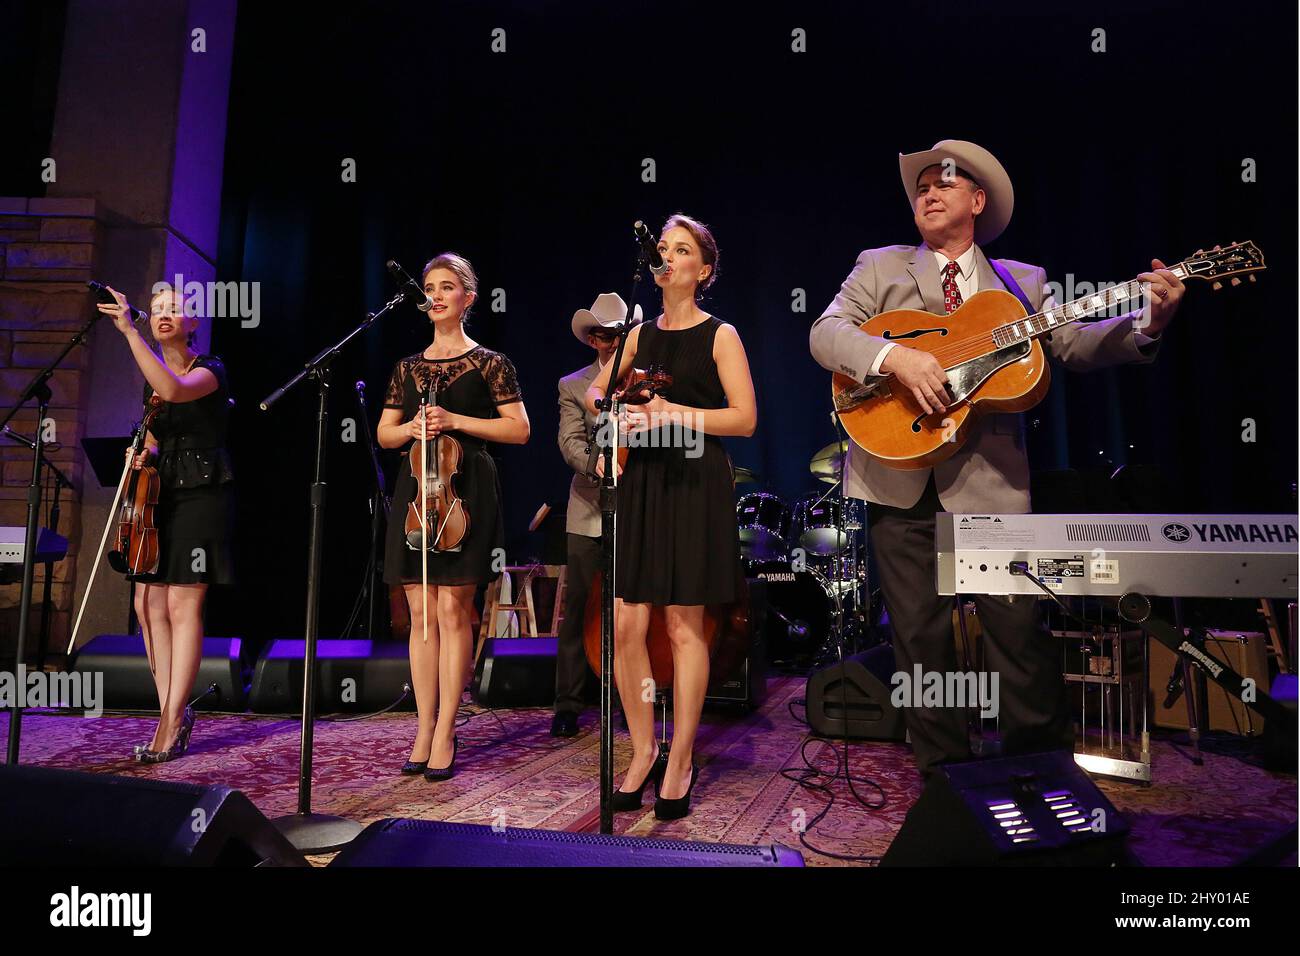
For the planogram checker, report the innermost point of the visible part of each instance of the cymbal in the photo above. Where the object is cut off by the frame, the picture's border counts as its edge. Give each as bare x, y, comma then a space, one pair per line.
744, 474
828, 463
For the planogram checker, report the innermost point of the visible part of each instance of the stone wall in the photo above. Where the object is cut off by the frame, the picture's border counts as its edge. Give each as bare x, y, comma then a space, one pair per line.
48, 250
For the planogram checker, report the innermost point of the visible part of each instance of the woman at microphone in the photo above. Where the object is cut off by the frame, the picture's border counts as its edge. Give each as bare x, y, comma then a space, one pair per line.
676, 538
477, 401
195, 512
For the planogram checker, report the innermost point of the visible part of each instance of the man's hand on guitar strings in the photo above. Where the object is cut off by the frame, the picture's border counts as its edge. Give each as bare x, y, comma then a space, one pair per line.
921, 374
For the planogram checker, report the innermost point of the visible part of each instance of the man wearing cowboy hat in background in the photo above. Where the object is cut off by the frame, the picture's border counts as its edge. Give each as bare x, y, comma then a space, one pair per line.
962, 200
595, 327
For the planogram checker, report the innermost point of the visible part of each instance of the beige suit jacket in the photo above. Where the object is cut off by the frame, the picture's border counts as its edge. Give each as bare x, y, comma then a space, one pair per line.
575, 427
990, 473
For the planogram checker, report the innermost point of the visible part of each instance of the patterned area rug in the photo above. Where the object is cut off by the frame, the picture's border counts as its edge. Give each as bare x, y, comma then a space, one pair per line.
512, 772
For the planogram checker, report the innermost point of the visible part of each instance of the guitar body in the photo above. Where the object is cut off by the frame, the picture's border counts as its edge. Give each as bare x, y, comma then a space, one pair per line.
891, 427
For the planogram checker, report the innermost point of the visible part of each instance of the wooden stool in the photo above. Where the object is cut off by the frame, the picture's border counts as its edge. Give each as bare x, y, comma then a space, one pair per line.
522, 604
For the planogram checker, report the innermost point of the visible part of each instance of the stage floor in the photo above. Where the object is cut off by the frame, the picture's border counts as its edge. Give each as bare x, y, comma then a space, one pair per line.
511, 771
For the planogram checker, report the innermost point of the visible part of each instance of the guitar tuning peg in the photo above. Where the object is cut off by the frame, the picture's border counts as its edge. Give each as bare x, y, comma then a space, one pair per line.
1251, 278
1236, 281
1216, 286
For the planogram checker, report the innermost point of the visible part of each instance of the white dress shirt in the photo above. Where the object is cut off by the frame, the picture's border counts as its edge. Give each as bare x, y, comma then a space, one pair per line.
968, 283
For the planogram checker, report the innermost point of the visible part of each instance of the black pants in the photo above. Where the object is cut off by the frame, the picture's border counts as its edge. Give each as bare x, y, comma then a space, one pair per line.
1032, 708
571, 668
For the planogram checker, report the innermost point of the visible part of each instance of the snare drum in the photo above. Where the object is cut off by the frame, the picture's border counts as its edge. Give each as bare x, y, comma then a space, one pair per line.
818, 526
764, 521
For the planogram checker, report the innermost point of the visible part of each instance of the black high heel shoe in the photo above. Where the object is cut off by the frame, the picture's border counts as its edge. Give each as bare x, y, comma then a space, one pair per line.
625, 800
433, 774
677, 807
415, 766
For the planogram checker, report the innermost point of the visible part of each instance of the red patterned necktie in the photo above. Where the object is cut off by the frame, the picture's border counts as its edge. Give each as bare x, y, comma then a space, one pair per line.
951, 294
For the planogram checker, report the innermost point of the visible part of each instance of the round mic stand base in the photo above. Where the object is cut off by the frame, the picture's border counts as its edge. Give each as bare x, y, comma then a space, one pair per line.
317, 832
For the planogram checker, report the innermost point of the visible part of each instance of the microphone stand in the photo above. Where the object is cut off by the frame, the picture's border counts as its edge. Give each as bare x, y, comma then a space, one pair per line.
379, 513
608, 409
39, 389
317, 832
60, 482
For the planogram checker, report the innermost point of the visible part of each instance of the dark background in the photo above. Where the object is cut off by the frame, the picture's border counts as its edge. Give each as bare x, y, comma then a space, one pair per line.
529, 163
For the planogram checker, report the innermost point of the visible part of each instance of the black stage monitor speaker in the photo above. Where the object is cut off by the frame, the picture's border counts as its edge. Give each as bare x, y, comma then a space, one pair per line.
351, 676
1031, 810
52, 818
744, 684
516, 672
432, 843
855, 694
128, 682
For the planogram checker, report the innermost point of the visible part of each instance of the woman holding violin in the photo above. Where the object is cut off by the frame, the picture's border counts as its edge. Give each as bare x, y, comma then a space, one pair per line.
676, 535
188, 396
445, 528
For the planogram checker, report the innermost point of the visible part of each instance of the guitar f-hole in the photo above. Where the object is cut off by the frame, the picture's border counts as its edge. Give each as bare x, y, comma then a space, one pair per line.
914, 334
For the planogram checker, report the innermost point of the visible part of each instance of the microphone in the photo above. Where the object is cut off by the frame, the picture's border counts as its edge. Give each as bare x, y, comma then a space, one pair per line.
103, 295
651, 248
1174, 689
422, 301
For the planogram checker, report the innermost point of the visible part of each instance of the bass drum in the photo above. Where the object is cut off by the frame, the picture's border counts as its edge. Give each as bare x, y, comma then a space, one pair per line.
800, 610
764, 523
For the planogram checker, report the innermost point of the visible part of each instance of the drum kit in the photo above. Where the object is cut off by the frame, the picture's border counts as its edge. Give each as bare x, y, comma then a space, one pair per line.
811, 555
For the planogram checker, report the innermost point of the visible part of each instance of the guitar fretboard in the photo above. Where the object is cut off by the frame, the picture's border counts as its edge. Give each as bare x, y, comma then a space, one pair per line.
1125, 294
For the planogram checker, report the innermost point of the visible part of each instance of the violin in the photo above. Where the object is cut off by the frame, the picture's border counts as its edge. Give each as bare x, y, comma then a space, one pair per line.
436, 519
638, 387
135, 550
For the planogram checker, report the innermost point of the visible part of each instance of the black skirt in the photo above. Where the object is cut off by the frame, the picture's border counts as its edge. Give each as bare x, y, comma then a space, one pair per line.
195, 536
482, 552
677, 541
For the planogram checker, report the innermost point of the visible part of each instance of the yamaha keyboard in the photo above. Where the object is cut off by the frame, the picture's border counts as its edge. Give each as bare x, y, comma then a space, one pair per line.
1248, 556
49, 547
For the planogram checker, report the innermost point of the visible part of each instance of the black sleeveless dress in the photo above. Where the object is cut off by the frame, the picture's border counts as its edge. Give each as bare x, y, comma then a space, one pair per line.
472, 384
677, 537
195, 516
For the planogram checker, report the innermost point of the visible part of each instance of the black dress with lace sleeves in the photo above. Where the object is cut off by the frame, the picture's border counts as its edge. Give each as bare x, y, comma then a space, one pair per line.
474, 384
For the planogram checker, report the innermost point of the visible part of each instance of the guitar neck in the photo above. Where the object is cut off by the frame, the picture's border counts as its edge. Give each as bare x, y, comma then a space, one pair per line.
1040, 323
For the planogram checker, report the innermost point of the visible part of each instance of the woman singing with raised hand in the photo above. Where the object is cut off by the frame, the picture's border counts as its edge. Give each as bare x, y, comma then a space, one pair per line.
195, 512
677, 537
477, 401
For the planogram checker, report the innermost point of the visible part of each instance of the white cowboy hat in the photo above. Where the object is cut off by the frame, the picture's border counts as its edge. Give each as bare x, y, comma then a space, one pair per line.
607, 311
982, 165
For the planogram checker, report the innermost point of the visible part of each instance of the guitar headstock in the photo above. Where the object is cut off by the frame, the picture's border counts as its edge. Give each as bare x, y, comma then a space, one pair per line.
1226, 262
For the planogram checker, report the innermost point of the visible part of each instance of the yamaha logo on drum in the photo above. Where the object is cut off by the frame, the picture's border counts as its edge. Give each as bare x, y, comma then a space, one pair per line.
1176, 532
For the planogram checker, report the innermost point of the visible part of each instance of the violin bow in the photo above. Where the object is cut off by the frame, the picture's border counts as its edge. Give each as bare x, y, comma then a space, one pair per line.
112, 520
424, 516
